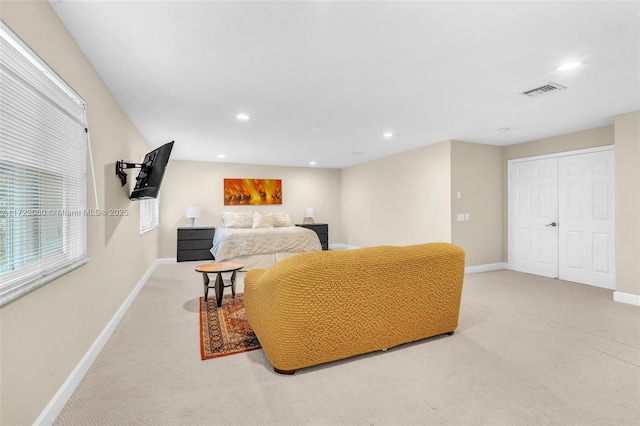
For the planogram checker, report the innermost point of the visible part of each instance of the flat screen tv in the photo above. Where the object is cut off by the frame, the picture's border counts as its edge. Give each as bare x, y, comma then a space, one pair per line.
151, 173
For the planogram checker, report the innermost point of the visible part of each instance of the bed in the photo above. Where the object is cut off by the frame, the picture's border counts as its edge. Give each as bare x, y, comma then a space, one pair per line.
258, 240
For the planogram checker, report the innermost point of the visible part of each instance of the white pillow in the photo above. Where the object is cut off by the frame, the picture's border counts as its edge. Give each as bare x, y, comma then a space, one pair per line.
237, 220
262, 220
281, 220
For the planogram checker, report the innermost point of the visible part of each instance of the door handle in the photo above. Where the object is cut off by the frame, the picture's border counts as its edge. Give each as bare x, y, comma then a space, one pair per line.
551, 224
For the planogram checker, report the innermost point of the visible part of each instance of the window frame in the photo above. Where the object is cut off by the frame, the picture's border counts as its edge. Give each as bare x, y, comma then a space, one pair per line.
27, 69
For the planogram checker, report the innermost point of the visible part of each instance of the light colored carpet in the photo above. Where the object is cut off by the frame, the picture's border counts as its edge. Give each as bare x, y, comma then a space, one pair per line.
528, 351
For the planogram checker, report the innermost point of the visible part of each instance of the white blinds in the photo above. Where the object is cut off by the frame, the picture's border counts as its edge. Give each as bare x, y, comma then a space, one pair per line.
42, 172
148, 215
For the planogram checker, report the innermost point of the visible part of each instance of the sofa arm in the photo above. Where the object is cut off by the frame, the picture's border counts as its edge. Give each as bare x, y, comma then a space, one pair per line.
256, 300
251, 279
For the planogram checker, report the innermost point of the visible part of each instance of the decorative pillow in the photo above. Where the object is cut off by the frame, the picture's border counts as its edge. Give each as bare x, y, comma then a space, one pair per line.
237, 220
262, 220
281, 220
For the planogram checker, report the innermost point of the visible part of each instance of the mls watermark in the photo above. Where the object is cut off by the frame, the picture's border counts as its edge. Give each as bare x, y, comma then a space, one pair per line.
63, 212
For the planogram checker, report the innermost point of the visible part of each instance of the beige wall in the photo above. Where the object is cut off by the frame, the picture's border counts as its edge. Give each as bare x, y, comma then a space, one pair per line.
398, 200
627, 136
476, 173
45, 333
193, 183
411, 198
599, 136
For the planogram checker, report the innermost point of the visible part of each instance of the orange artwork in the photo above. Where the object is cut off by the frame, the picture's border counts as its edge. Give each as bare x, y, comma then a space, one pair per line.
252, 191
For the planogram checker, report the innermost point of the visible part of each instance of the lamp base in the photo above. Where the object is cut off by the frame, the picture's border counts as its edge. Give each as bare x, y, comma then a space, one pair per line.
193, 222
308, 221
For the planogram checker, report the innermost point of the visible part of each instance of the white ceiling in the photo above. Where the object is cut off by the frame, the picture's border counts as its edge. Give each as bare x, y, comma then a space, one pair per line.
323, 80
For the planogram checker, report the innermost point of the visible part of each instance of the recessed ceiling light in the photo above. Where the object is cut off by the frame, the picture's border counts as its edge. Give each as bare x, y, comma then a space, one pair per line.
313, 163
569, 66
387, 135
503, 129
222, 156
242, 117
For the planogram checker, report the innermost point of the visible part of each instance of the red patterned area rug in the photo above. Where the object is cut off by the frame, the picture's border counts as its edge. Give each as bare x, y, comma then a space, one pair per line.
225, 330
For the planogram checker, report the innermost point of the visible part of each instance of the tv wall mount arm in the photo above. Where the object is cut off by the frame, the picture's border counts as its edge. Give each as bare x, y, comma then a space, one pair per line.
122, 165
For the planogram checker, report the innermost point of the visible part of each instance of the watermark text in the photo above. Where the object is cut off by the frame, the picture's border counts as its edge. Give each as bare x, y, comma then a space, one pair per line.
62, 212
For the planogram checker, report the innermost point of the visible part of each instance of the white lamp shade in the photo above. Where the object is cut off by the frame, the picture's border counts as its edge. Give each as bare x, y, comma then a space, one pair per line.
192, 212
309, 216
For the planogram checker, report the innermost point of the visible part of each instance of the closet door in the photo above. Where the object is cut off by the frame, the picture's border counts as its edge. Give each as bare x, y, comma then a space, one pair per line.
533, 217
586, 217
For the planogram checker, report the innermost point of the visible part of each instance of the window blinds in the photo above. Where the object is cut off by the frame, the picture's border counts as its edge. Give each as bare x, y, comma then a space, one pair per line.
148, 215
42, 172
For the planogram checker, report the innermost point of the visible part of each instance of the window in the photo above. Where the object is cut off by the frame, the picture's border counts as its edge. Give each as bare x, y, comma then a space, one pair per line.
148, 215
29, 237
42, 172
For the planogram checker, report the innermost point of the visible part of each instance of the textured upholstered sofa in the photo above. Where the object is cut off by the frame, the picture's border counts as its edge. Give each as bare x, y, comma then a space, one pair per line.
318, 307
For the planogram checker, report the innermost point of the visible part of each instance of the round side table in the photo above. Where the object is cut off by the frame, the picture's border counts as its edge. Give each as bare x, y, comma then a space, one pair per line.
218, 268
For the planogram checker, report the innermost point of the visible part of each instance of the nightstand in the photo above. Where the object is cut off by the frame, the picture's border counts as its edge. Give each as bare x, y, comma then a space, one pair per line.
195, 243
322, 229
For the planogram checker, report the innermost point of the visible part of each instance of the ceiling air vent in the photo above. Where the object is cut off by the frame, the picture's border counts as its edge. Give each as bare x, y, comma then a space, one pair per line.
544, 90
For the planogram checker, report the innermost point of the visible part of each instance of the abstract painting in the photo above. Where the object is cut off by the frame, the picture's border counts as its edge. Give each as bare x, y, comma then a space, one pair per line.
252, 191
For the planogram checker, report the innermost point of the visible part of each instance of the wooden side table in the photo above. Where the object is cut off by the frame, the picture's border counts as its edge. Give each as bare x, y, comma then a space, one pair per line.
219, 285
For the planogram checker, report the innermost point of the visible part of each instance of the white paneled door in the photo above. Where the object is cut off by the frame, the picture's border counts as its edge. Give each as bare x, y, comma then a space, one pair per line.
561, 217
586, 214
533, 217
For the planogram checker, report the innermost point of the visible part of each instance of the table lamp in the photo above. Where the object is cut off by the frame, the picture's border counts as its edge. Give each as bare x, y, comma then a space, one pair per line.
192, 213
309, 215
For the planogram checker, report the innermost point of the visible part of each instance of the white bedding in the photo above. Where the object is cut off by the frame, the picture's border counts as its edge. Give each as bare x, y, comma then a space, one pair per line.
231, 243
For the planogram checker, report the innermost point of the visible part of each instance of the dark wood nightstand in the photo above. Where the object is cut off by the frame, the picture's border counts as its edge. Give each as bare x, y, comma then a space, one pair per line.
322, 229
195, 243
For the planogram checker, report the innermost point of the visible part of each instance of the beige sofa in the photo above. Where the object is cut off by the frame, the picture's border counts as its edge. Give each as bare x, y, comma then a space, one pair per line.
318, 307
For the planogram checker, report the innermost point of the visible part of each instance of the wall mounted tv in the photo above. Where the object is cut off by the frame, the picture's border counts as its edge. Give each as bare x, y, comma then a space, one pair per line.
151, 172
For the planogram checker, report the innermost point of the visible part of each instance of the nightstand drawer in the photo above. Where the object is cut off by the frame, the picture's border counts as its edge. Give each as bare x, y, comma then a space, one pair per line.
196, 233
318, 227
187, 255
195, 244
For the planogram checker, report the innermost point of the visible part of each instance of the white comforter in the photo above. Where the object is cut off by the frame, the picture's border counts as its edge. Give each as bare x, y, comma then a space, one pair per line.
231, 242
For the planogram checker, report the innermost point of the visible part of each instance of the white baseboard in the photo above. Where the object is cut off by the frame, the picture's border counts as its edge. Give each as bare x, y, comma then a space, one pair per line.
166, 260
57, 403
485, 268
631, 299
